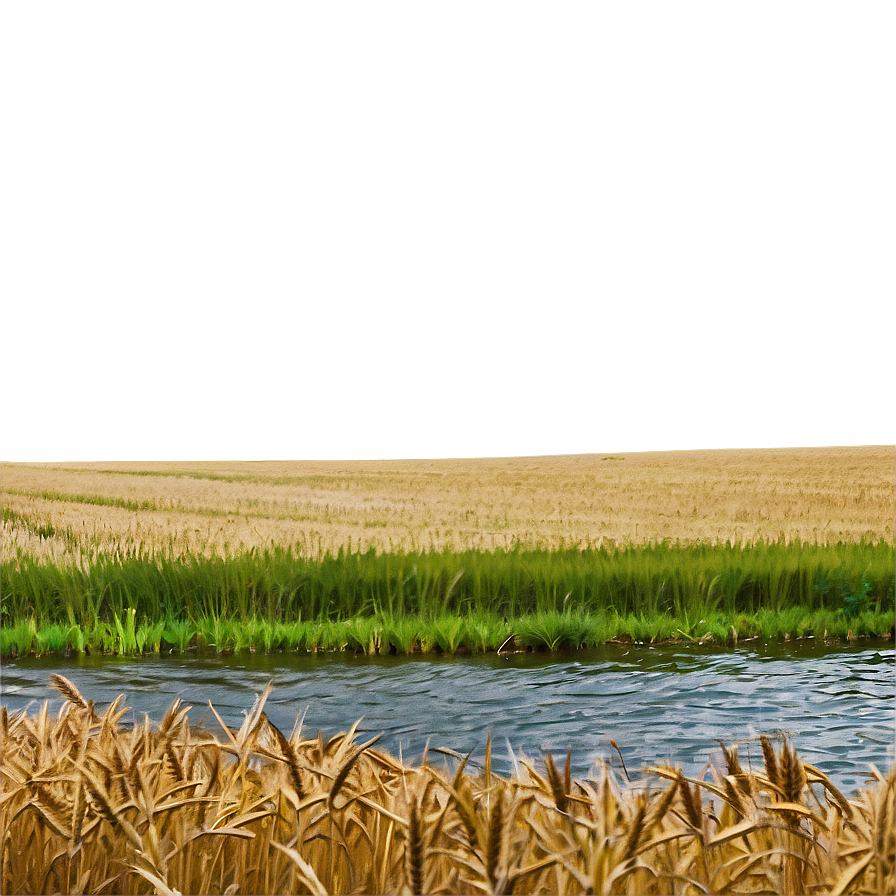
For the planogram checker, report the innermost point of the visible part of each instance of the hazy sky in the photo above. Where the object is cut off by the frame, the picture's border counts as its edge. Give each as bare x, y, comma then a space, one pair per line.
369, 230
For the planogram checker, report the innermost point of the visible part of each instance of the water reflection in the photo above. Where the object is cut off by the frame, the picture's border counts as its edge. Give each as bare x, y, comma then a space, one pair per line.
658, 704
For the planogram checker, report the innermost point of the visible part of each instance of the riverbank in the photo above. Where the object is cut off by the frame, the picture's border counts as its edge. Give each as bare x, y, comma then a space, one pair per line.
449, 601
175, 808
479, 633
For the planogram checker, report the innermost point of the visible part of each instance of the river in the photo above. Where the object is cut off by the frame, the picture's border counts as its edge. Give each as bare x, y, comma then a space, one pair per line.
659, 704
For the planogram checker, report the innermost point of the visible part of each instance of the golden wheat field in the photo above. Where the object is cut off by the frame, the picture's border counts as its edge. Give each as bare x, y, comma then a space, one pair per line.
93, 806
818, 495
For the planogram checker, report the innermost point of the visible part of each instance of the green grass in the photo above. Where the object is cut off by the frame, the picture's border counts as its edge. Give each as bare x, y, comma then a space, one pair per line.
448, 601
447, 633
485, 632
552, 631
100, 500
276, 584
549, 631
309, 480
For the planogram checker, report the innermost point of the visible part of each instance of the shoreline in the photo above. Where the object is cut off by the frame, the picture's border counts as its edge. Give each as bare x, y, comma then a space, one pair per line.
449, 601
547, 634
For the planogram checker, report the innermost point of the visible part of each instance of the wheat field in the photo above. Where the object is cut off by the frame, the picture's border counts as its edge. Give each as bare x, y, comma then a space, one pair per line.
815, 495
90, 806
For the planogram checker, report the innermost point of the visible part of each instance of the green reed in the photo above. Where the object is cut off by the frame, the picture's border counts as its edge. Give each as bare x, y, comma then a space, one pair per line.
447, 601
478, 633
278, 585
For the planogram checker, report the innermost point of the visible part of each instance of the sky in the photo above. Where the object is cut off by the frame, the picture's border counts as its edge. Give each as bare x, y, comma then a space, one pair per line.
415, 230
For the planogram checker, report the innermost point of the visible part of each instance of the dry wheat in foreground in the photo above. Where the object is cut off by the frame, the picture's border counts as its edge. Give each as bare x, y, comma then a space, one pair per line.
91, 806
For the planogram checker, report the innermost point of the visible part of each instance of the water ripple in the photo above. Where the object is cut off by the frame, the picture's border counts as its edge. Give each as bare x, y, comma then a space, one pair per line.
658, 704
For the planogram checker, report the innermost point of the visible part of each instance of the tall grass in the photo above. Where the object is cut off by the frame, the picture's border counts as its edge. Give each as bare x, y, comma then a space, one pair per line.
89, 805
277, 585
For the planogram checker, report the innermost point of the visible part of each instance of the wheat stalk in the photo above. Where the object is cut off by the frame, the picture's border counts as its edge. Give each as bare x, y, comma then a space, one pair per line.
394, 828
68, 690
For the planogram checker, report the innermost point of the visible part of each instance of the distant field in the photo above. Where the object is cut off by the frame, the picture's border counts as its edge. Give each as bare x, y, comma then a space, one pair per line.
817, 495
122, 556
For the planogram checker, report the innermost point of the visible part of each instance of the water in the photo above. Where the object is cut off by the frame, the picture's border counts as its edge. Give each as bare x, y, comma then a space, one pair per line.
658, 704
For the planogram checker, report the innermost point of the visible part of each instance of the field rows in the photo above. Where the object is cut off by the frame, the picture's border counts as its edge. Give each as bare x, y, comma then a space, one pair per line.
824, 496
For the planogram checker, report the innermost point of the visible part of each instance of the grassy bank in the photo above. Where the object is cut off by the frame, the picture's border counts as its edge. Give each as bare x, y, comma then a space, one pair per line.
477, 633
89, 805
472, 600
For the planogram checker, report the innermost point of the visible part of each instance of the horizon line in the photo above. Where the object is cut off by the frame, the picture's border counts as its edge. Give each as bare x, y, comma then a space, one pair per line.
410, 457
